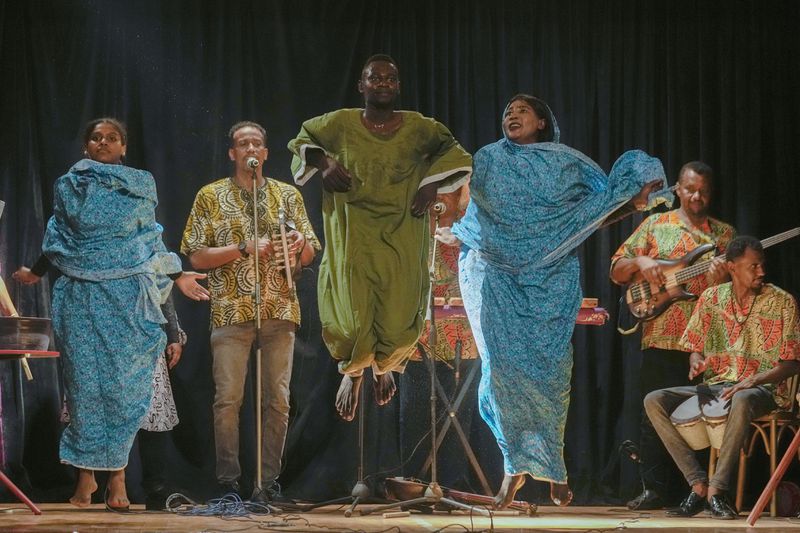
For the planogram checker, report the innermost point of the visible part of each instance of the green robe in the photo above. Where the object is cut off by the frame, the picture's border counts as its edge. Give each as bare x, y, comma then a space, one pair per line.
373, 280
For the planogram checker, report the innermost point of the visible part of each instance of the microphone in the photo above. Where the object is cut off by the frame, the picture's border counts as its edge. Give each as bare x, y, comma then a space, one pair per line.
439, 208
252, 162
631, 451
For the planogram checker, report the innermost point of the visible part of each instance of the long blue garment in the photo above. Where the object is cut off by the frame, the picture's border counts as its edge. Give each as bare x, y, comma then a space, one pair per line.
530, 207
104, 238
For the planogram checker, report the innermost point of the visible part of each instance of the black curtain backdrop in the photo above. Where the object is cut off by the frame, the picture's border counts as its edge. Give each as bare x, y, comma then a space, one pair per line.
683, 80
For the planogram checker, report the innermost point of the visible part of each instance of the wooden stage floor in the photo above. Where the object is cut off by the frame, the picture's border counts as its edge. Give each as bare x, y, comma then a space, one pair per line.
63, 517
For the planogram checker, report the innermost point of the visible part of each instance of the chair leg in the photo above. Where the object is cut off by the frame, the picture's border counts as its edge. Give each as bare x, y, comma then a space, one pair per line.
741, 479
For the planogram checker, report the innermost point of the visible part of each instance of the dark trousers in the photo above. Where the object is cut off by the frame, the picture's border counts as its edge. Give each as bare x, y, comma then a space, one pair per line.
661, 369
153, 453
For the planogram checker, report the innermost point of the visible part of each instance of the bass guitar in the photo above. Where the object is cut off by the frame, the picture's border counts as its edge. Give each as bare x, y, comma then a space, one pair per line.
646, 301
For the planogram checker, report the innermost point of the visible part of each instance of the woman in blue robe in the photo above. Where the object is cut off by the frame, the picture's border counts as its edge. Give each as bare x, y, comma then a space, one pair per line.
116, 272
532, 202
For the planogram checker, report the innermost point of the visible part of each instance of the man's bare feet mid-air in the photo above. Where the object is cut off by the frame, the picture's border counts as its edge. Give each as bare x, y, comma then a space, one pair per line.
384, 388
347, 396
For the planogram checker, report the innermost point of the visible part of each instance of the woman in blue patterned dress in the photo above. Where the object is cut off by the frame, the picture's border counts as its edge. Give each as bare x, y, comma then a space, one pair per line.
532, 202
104, 239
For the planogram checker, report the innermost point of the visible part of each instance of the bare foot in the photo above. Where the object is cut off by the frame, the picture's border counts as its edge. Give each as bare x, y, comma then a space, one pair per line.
560, 494
347, 396
384, 388
84, 489
116, 493
511, 484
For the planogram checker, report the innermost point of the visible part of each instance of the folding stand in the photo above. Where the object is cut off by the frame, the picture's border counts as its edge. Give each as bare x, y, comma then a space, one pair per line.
452, 420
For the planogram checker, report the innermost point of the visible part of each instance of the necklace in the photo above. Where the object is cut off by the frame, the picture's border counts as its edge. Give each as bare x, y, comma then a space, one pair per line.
378, 127
741, 319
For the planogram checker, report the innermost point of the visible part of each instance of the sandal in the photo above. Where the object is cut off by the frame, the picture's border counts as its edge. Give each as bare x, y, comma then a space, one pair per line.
558, 501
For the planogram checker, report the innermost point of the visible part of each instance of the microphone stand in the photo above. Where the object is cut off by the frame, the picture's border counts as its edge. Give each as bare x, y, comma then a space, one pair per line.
257, 327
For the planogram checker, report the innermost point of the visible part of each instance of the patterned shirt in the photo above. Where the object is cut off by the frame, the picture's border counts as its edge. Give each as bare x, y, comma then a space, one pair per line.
739, 342
222, 215
667, 236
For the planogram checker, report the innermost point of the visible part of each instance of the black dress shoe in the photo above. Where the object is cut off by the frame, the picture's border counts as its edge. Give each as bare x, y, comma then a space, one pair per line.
690, 506
228, 487
646, 501
270, 495
721, 508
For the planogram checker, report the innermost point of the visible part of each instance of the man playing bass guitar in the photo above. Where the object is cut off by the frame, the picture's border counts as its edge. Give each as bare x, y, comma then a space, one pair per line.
661, 236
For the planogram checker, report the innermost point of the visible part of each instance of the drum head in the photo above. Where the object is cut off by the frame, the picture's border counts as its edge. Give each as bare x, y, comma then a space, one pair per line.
716, 410
686, 412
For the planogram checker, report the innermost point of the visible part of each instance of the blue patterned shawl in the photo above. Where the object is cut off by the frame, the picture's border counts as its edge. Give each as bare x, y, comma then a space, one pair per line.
103, 227
530, 207
106, 316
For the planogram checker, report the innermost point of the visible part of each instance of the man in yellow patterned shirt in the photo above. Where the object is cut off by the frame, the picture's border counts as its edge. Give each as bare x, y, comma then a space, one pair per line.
745, 337
219, 237
669, 235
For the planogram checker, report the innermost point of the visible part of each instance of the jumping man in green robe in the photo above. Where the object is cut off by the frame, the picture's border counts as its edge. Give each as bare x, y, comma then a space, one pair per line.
381, 169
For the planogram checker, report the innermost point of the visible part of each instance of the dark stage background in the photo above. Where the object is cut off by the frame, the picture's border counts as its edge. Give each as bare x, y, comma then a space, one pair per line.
683, 80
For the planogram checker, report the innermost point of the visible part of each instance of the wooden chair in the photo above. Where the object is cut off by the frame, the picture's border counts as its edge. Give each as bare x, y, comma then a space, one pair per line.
770, 428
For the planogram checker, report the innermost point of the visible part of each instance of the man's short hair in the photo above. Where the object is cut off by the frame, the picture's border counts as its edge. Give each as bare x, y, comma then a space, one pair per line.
247, 124
698, 167
739, 246
380, 57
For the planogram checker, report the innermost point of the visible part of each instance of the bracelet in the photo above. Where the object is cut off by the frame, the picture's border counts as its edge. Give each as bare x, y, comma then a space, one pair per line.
182, 337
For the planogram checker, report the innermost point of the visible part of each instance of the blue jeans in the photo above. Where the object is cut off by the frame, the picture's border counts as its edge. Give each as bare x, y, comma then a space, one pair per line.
746, 405
230, 347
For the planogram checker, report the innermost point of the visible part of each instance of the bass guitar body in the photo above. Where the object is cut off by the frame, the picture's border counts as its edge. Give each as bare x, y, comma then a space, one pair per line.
646, 301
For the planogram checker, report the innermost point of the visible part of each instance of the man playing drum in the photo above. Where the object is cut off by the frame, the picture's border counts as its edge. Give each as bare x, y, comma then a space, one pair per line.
745, 336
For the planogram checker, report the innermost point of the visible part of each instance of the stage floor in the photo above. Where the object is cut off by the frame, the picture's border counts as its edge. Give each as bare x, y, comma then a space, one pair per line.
64, 517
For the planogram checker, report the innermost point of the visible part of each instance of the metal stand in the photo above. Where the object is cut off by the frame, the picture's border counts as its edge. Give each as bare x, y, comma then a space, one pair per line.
452, 421
433, 496
360, 492
257, 327
17, 354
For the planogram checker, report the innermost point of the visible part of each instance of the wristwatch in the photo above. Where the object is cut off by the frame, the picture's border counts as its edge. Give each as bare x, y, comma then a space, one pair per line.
243, 249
